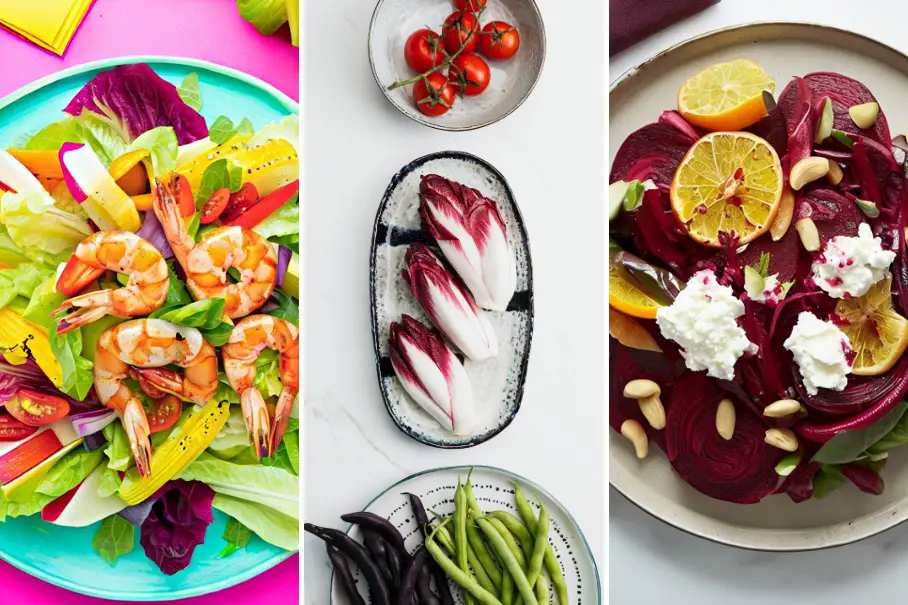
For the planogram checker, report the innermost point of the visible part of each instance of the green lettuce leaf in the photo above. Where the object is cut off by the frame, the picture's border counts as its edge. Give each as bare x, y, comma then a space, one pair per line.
109, 483
267, 486
117, 451
54, 135
287, 128
223, 129
78, 373
266, 16
161, 143
189, 91
237, 536
66, 474
102, 135
268, 524
115, 538
283, 221
44, 300
233, 439
35, 221
22, 280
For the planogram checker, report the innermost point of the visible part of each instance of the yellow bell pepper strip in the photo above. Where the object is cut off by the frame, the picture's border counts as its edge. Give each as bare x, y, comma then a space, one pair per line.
22, 335
169, 459
131, 172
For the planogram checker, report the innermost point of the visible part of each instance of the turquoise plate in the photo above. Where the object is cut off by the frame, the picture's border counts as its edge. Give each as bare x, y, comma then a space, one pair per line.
62, 555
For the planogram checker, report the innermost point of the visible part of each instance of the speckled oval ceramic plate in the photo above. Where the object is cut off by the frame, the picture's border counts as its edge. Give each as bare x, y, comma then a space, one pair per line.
512, 81
497, 382
494, 491
638, 97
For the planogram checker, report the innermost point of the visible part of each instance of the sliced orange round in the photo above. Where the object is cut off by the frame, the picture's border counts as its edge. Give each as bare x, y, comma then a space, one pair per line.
626, 294
725, 96
728, 181
630, 333
878, 335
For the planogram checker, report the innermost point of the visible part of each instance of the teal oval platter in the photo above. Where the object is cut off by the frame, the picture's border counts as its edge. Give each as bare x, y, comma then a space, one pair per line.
63, 556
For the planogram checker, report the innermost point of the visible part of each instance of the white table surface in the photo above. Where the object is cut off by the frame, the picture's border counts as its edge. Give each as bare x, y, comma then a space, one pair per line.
652, 563
551, 152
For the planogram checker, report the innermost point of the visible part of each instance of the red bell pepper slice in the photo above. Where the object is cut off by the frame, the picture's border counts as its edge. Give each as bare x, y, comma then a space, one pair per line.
264, 207
27, 456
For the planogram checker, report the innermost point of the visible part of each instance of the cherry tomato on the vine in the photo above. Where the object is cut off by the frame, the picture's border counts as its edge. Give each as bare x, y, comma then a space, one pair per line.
456, 31
433, 95
424, 50
469, 75
470, 5
34, 408
499, 40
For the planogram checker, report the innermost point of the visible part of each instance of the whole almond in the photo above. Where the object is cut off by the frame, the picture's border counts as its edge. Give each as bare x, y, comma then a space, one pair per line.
634, 432
640, 388
810, 237
782, 408
725, 419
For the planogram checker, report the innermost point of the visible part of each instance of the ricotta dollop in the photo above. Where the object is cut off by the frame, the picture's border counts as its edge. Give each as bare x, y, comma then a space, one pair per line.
822, 351
849, 266
703, 321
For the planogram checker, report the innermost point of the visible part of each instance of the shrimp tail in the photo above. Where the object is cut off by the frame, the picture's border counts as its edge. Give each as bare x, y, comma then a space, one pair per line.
281, 418
135, 423
167, 209
83, 310
255, 413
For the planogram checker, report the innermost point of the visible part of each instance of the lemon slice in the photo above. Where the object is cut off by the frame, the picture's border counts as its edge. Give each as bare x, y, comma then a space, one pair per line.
728, 181
878, 335
725, 96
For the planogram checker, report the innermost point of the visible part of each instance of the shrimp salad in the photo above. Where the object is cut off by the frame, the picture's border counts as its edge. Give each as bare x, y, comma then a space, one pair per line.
149, 311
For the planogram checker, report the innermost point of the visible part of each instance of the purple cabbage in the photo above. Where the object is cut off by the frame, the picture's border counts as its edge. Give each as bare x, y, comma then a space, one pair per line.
136, 100
177, 523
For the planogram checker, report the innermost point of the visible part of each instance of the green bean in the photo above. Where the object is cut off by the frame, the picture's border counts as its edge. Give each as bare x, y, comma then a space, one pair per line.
542, 590
511, 543
503, 550
445, 538
507, 589
534, 567
463, 579
516, 527
551, 563
460, 533
474, 537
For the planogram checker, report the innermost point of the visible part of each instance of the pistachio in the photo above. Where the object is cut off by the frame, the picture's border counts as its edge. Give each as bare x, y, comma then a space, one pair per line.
835, 174
782, 408
783, 439
725, 419
810, 237
634, 432
864, 115
782, 222
640, 388
653, 411
808, 170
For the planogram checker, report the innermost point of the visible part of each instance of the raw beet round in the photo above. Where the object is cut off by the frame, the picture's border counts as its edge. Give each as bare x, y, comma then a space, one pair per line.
741, 470
833, 213
783, 254
628, 364
660, 239
652, 152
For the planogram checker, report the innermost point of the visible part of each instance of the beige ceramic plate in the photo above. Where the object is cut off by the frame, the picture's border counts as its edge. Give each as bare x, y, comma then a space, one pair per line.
638, 97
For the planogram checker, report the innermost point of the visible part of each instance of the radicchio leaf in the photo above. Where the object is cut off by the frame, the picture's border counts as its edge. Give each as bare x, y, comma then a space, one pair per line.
177, 524
135, 99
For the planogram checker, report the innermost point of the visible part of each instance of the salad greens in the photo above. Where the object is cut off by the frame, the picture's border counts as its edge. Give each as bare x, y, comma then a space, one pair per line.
265, 15
139, 125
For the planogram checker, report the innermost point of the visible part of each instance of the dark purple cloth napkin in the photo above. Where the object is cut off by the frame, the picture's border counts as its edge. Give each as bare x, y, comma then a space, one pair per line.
630, 21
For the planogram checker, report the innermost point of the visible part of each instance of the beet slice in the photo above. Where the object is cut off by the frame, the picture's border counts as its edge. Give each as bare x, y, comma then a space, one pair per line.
741, 470
783, 254
630, 364
843, 92
661, 240
833, 213
652, 152
677, 121
773, 128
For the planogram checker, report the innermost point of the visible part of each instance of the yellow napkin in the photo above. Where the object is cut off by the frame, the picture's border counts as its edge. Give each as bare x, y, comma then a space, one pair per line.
48, 23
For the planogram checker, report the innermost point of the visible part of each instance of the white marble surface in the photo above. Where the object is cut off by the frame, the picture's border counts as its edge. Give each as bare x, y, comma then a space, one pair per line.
551, 152
652, 563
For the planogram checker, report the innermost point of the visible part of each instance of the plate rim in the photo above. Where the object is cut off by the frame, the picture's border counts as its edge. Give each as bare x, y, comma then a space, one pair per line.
624, 491
398, 177
424, 120
527, 482
289, 104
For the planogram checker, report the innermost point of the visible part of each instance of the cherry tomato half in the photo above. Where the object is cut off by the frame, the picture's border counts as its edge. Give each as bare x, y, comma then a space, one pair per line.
457, 28
241, 201
469, 75
184, 197
423, 50
36, 409
215, 206
499, 41
165, 413
433, 95
13, 430
470, 5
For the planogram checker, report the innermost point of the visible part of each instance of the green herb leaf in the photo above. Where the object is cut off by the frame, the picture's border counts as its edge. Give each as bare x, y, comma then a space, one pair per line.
221, 130
218, 175
827, 480
788, 464
868, 208
177, 294
287, 308
764, 264
842, 138
633, 197
189, 91
245, 127
894, 438
115, 538
849, 445
219, 335
237, 536
206, 313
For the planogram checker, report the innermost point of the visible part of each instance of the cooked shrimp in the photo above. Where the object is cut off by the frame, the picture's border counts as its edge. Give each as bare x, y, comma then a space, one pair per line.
206, 263
142, 347
250, 337
120, 251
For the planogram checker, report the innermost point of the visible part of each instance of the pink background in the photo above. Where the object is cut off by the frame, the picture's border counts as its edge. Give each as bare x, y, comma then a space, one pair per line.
200, 29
